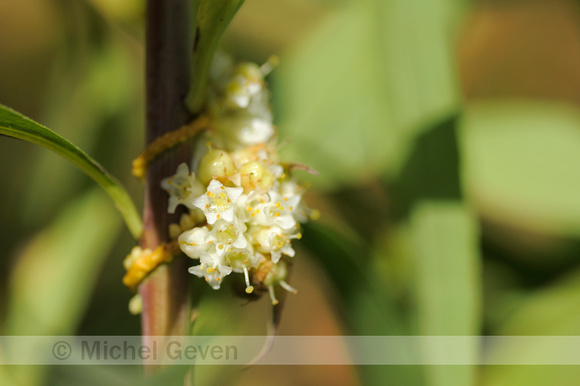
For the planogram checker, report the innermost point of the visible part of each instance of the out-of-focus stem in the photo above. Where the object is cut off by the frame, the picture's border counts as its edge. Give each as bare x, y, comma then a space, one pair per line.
168, 59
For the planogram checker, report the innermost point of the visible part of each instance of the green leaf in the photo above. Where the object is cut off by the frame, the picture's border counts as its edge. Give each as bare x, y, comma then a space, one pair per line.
368, 307
441, 238
211, 20
445, 243
522, 162
444, 240
356, 90
16, 125
431, 171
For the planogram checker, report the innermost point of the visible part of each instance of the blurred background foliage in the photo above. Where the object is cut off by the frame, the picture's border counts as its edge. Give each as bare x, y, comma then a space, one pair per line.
446, 134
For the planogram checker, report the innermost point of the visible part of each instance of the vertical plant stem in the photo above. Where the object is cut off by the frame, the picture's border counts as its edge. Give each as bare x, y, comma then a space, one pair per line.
168, 59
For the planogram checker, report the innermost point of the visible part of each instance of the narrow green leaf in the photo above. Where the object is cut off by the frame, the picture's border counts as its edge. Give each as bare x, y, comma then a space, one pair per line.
444, 236
447, 268
211, 20
16, 125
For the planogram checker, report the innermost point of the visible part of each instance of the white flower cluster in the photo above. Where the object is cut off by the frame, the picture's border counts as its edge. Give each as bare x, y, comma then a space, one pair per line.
250, 203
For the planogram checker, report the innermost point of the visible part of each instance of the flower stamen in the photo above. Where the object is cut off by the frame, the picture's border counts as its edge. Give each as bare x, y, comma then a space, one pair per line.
249, 288
272, 295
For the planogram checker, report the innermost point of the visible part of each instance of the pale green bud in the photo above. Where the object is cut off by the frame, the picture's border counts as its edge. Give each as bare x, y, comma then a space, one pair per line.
256, 175
215, 164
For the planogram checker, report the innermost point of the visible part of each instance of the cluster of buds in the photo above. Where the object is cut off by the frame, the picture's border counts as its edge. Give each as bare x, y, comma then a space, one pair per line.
245, 203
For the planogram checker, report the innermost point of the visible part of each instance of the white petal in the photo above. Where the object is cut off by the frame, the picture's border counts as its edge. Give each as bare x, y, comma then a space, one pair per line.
211, 218
293, 201
200, 202
234, 193
173, 202
285, 222
225, 270
209, 259
193, 242
277, 170
183, 169
196, 271
276, 256
214, 185
255, 131
287, 250
228, 215
240, 242
220, 252
236, 179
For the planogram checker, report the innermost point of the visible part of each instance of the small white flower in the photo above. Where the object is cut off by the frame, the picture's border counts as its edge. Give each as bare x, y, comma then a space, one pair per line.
271, 209
276, 170
242, 260
272, 240
247, 82
218, 202
259, 106
251, 206
289, 189
280, 210
194, 241
245, 130
212, 268
227, 235
181, 188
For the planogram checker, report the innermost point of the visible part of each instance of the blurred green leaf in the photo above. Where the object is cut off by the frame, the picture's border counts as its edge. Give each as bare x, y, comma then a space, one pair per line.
550, 311
439, 235
94, 97
431, 170
120, 11
105, 121
522, 164
220, 313
444, 239
367, 306
15, 125
211, 20
366, 303
358, 88
52, 282
97, 375
447, 267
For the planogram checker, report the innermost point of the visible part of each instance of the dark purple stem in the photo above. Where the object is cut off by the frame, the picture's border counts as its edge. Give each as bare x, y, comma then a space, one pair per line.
168, 61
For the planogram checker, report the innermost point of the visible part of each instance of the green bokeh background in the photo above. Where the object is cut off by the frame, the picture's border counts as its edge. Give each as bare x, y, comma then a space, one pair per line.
446, 134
